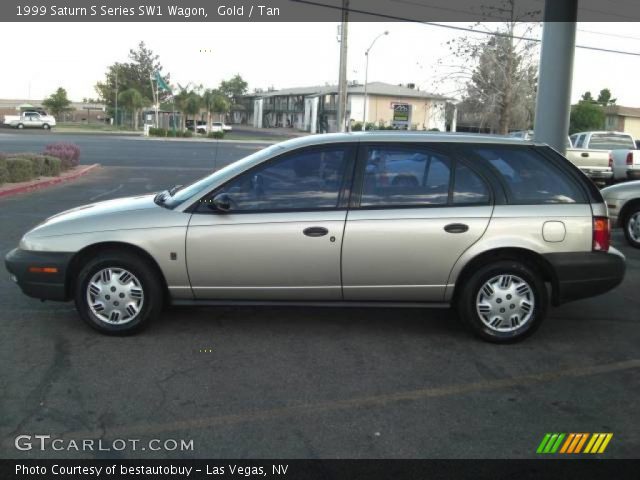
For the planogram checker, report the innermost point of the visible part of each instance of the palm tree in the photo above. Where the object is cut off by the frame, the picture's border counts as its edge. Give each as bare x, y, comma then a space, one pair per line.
132, 100
191, 106
214, 102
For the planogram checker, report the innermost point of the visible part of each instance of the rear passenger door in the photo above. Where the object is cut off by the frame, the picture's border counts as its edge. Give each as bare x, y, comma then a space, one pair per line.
414, 211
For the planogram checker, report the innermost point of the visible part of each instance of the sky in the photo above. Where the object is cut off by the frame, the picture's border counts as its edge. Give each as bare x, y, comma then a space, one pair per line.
282, 55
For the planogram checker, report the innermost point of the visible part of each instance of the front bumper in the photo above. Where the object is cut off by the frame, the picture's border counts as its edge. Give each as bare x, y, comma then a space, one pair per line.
39, 284
585, 274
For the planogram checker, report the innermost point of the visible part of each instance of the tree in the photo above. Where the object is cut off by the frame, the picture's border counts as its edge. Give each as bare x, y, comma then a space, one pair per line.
191, 106
214, 102
136, 74
587, 97
234, 88
57, 103
604, 98
132, 101
496, 78
586, 116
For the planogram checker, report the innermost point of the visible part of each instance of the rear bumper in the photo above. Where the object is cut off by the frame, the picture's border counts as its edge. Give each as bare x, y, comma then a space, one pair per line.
585, 274
596, 174
45, 286
633, 173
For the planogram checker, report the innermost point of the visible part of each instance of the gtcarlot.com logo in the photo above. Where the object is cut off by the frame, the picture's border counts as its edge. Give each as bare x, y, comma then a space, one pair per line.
572, 443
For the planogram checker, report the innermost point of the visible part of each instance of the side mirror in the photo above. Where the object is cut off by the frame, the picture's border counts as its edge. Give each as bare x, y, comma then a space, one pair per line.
222, 202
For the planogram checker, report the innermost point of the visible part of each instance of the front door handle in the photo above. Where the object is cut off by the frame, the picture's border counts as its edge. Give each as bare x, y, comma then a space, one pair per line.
456, 228
315, 231
585, 155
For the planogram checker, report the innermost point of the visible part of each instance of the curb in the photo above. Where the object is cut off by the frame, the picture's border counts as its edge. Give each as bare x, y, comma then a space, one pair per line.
207, 140
38, 184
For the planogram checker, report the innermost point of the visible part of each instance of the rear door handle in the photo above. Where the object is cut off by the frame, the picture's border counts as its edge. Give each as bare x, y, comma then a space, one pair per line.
585, 154
315, 231
456, 228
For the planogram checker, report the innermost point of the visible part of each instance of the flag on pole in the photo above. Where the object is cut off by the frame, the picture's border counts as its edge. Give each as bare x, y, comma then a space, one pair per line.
161, 84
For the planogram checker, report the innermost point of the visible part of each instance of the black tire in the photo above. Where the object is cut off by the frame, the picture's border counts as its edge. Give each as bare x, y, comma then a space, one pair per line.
146, 275
46, 126
20, 126
635, 210
468, 299
405, 181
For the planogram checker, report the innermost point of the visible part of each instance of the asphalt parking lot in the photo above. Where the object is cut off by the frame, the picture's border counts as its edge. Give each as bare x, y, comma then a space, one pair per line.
300, 382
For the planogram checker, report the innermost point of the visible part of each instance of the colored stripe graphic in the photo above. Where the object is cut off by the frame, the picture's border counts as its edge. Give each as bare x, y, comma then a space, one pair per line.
598, 443
573, 443
550, 443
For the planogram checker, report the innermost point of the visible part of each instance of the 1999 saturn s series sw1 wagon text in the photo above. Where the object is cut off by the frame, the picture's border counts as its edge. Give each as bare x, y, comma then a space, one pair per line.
498, 228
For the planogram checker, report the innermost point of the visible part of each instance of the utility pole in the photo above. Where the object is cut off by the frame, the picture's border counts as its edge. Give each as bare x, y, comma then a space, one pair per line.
553, 104
342, 83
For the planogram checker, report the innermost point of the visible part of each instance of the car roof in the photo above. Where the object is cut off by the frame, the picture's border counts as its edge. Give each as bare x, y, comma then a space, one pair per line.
412, 136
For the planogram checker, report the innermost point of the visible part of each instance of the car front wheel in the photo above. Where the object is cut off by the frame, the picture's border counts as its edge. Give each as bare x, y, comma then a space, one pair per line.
46, 126
118, 293
503, 302
632, 227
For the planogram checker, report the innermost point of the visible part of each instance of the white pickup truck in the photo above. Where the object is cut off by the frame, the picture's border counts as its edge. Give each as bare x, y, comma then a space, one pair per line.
30, 119
595, 153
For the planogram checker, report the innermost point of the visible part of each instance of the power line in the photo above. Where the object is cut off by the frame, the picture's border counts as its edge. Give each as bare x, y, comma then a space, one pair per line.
617, 35
465, 29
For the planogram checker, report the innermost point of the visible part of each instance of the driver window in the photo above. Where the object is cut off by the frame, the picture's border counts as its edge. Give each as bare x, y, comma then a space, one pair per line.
305, 180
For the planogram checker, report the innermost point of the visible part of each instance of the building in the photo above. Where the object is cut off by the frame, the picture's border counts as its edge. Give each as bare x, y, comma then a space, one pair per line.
80, 112
623, 119
314, 109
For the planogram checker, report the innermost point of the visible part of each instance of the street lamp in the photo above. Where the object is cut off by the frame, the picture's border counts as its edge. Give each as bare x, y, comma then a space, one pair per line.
366, 78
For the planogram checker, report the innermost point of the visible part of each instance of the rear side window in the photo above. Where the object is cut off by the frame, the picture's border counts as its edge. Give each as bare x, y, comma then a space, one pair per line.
405, 177
610, 141
468, 188
529, 177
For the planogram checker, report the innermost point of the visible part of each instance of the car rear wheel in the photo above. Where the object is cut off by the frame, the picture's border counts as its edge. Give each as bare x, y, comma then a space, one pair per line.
632, 227
503, 302
46, 126
118, 293
20, 126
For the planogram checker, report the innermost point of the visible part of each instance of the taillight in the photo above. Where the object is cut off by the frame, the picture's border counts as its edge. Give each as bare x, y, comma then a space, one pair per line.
610, 160
630, 158
601, 234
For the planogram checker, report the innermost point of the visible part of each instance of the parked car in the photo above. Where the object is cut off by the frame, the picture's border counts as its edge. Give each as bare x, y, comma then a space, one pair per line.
619, 148
202, 126
623, 201
222, 126
30, 119
489, 224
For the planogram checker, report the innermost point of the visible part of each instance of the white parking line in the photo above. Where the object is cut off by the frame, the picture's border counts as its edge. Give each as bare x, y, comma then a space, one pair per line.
106, 193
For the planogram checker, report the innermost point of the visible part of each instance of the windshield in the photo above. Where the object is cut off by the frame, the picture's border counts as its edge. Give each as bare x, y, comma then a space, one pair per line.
202, 185
610, 141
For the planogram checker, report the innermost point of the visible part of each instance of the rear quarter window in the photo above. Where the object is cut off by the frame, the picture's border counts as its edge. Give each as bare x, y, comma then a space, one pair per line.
529, 178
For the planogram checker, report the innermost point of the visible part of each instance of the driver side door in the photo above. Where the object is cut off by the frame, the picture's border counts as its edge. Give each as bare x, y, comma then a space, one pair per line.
281, 236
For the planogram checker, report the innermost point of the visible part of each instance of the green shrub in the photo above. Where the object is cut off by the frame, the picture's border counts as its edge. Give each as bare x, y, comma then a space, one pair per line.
157, 132
216, 135
187, 134
4, 173
356, 127
19, 169
53, 166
